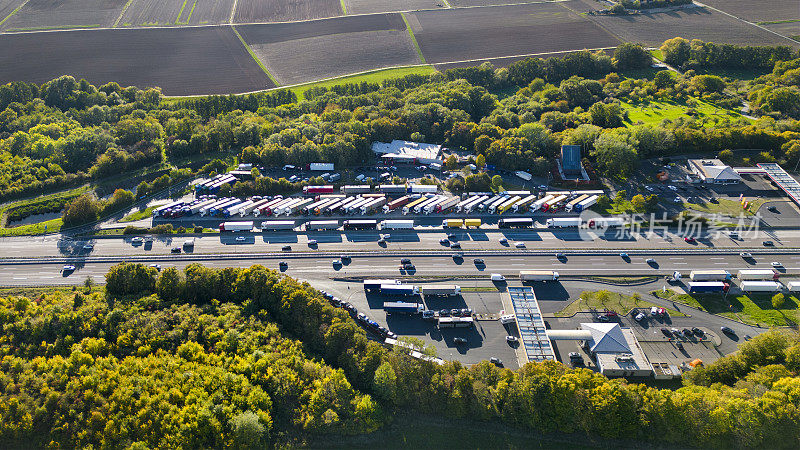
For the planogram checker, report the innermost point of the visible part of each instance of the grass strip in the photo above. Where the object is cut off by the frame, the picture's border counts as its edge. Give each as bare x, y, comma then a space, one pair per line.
191, 11
372, 76
447, 4
775, 22
344, 7
413, 39
138, 215
254, 56
178, 19
125, 8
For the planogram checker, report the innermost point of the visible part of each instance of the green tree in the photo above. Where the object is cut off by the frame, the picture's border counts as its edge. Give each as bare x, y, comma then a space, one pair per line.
631, 56
170, 284
726, 156
82, 210
385, 382
708, 83
480, 162
778, 300
616, 154
248, 431
130, 278
638, 203
676, 51
497, 181
451, 163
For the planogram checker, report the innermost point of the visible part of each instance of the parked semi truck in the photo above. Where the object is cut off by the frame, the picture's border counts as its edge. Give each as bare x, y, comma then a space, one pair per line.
236, 226
314, 190
441, 290
760, 286
472, 223
322, 225
399, 289
394, 204
402, 308
411, 205
397, 225
706, 287
757, 274
375, 285
605, 222
394, 189
453, 223
446, 205
586, 204
355, 189
539, 204
524, 203
572, 203
517, 222
272, 225
564, 222
709, 275
423, 189
360, 224
793, 286
538, 275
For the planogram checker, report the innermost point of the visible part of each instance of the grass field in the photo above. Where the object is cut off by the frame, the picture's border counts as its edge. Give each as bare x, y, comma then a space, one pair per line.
653, 113
725, 207
620, 303
755, 309
375, 76
139, 215
50, 226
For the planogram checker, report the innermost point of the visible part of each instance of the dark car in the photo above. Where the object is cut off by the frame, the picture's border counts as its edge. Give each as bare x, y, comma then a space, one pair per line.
345, 258
727, 330
768, 244
444, 313
283, 264
466, 312
405, 261
455, 312
698, 332
455, 245
286, 248
459, 341
478, 261
407, 266
496, 361
175, 250
666, 332
679, 345
451, 236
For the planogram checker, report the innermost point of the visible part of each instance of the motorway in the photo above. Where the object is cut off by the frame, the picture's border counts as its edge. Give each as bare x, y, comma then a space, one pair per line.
310, 267
405, 240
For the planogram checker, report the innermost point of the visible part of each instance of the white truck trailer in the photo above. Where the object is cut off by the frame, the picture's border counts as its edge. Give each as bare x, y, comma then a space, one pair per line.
538, 204
274, 225
563, 222
397, 225
236, 226
709, 275
316, 225
760, 286
757, 274
538, 275
441, 290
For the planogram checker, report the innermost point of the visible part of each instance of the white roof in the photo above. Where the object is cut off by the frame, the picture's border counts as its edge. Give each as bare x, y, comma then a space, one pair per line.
607, 338
715, 169
408, 149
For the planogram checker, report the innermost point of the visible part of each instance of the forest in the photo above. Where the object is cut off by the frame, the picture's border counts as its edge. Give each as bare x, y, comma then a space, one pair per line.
66, 132
251, 358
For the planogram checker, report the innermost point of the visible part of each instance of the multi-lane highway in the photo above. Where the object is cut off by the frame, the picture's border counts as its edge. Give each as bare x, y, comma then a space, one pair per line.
316, 266
406, 240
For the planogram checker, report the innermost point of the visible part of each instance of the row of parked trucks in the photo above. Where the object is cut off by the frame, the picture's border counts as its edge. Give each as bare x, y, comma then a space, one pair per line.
409, 306
750, 280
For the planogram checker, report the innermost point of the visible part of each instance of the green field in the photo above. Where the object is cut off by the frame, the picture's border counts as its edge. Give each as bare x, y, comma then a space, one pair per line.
653, 113
375, 76
620, 303
755, 309
138, 215
725, 207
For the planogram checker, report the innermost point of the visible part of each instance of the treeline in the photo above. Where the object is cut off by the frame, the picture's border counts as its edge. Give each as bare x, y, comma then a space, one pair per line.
547, 397
213, 105
87, 208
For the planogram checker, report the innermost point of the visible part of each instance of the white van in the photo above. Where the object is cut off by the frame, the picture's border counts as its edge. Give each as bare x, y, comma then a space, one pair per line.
498, 277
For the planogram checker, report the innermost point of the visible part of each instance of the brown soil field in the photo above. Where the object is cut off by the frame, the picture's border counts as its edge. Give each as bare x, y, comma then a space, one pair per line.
280, 32
695, 23
252, 11
209, 12
8, 6
153, 12
182, 61
48, 14
494, 32
758, 10
787, 29
457, 3
381, 6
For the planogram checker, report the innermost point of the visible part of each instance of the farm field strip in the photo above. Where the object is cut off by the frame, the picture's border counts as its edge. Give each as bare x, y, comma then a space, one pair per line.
182, 61
63, 14
762, 10
266, 11
384, 6
8, 8
152, 13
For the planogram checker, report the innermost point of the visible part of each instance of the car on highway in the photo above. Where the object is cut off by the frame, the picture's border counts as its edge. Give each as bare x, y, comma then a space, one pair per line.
137, 240
407, 266
175, 250
498, 277
512, 339
768, 244
561, 256
312, 242
496, 361
625, 256
690, 240
459, 341
345, 258
444, 241
286, 248
776, 264
88, 247
478, 262
68, 268
455, 245
240, 238
156, 266
746, 255
519, 245
666, 332
503, 241
405, 261
283, 264
386, 236
650, 261
337, 262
